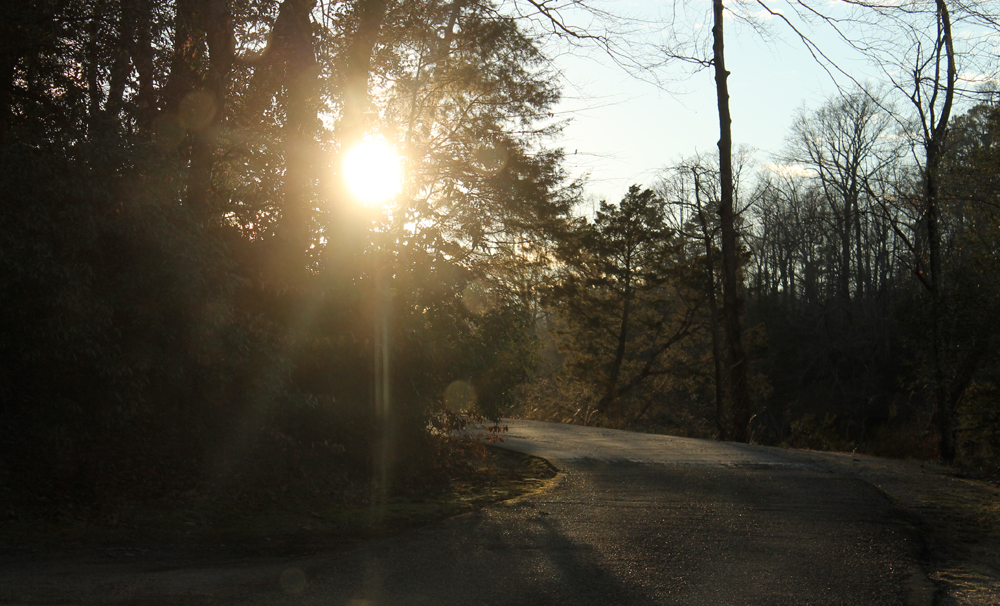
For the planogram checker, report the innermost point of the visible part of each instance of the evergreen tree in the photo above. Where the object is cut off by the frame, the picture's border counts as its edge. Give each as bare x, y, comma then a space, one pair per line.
622, 295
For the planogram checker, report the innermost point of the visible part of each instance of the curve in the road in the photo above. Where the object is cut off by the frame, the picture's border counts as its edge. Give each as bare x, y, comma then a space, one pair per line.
633, 519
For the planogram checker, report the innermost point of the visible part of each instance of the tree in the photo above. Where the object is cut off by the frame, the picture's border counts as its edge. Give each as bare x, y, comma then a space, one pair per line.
169, 172
472, 110
732, 308
969, 178
622, 296
848, 146
915, 47
691, 50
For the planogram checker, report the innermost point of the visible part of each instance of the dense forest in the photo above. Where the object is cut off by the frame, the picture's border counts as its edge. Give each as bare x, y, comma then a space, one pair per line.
840, 325
193, 295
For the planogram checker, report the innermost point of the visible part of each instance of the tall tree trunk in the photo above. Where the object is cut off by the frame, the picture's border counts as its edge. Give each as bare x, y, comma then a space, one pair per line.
300, 127
187, 50
95, 92
8, 62
142, 59
844, 281
944, 416
731, 301
357, 102
862, 255
120, 67
191, 107
197, 100
289, 61
713, 314
347, 233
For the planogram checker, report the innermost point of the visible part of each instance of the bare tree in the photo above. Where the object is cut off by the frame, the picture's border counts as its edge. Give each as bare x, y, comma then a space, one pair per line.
692, 189
847, 145
732, 302
914, 45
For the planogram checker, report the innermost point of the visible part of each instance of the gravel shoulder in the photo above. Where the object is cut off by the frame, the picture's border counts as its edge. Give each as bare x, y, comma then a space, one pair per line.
958, 518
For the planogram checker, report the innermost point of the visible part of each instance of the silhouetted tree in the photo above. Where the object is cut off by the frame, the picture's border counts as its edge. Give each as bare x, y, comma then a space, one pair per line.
622, 296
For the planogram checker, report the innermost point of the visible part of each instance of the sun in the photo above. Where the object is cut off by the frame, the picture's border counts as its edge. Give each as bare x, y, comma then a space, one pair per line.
373, 172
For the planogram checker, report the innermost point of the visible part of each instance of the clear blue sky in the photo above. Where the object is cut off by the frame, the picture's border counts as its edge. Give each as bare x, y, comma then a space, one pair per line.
624, 130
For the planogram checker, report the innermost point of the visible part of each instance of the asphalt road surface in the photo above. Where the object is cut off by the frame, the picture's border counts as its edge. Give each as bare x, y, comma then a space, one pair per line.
633, 519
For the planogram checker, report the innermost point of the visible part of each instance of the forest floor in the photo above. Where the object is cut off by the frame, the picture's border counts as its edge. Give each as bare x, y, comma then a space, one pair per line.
200, 528
958, 517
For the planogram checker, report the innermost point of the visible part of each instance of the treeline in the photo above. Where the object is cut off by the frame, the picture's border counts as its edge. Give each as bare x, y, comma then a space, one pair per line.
848, 347
839, 273
190, 296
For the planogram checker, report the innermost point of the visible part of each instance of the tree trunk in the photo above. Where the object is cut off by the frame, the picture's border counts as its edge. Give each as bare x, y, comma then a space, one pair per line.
862, 254
347, 232
186, 52
844, 282
731, 302
95, 92
291, 62
142, 58
944, 416
370, 15
217, 20
120, 67
611, 387
8, 61
713, 314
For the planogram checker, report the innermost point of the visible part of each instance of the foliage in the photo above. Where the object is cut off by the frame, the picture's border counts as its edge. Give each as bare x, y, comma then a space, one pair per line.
834, 255
188, 291
842, 349
622, 298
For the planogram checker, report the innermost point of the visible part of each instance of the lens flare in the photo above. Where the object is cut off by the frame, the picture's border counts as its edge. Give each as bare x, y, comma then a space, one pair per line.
460, 396
373, 172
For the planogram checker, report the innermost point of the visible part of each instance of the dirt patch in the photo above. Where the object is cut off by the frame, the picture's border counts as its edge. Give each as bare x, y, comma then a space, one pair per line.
200, 529
957, 516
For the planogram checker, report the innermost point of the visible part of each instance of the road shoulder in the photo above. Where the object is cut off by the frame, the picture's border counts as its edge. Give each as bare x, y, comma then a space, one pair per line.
957, 517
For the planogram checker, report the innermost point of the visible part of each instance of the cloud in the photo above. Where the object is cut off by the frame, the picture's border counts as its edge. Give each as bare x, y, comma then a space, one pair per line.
789, 170
974, 78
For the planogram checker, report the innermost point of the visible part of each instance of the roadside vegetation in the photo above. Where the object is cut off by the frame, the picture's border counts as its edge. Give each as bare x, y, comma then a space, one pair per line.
864, 317
197, 298
290, 516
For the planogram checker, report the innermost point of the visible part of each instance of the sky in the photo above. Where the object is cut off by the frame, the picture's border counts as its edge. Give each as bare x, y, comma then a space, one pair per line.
623, 130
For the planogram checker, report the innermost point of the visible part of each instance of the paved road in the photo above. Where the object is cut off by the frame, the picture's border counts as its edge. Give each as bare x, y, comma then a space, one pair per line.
632, 519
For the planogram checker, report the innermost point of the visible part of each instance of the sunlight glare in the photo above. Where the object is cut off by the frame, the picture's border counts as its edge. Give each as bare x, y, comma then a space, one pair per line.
373, 172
